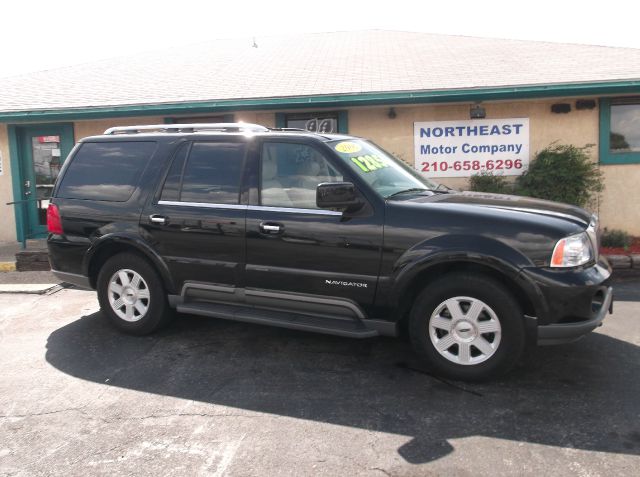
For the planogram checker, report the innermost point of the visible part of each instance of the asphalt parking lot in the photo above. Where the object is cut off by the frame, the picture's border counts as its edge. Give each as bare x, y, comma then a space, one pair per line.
212, 397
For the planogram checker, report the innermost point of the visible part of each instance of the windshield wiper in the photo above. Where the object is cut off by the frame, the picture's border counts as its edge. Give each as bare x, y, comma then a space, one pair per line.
406, 191
441, 189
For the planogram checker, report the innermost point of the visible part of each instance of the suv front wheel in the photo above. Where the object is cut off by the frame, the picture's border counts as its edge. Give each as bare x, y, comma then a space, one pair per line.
468, 327
131, 295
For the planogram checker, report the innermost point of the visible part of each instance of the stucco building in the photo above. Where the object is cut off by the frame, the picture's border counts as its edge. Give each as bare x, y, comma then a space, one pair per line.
436, 101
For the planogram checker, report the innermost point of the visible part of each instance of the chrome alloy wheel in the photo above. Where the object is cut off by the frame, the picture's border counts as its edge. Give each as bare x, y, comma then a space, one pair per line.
465, 330
128, 295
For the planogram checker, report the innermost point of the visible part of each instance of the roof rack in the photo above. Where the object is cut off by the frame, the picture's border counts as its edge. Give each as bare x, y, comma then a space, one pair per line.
188, 128
290, 129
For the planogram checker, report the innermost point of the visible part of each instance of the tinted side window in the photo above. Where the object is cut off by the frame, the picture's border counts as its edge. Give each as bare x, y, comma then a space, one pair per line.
171, 188
107, 171
212, 173
290, 174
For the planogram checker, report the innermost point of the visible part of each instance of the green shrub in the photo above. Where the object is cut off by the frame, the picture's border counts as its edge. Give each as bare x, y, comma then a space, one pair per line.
486, 181
615, 238
563, 173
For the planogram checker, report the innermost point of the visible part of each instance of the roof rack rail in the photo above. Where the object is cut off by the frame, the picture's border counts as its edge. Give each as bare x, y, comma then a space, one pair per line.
290, 129
189, 128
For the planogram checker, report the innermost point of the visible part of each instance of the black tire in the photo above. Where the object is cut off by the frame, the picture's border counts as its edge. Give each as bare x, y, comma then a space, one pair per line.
158, 312
510, 343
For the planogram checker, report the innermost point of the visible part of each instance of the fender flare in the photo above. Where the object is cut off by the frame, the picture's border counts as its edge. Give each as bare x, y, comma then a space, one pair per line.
470, 249
134, 242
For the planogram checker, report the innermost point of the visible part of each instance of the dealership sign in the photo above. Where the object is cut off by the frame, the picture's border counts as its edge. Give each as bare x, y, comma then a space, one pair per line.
466, 148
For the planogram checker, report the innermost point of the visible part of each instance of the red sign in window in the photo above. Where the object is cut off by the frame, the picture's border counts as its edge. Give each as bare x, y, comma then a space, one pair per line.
43, 139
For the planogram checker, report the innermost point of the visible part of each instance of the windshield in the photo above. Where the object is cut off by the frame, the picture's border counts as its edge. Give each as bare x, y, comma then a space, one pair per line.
383, 172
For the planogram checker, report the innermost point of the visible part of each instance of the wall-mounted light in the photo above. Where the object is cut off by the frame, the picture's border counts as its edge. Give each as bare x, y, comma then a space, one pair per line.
477, 112
561, 108
392, 113
585, 104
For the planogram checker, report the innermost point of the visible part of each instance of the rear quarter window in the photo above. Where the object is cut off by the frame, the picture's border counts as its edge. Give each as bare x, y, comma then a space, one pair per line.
108, 171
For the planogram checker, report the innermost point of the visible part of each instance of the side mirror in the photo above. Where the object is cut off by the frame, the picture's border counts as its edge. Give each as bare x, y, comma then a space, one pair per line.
337, 195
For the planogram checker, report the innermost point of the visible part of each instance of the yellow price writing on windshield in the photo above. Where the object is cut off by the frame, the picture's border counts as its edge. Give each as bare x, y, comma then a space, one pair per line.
369, 163
348, 147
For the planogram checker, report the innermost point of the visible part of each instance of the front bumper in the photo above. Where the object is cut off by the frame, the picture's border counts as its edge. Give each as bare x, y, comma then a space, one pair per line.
569, 303
566, 332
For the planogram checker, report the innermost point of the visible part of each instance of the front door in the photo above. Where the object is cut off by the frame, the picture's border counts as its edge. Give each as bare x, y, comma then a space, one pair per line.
294, 246
41, 152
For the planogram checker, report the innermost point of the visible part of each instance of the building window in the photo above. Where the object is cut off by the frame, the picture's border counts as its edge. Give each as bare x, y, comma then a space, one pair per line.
624, 135
620, 131
330, 122
314, 122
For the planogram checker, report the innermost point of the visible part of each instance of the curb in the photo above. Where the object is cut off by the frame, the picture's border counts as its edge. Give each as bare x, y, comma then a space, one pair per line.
32, 261
7, 266
624, 261
627, 266
31, 288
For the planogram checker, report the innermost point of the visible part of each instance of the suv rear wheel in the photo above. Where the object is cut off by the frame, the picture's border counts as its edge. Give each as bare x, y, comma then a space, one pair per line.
468, 327
131, 295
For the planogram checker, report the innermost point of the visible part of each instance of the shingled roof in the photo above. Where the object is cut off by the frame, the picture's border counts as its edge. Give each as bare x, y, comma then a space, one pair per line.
320, 64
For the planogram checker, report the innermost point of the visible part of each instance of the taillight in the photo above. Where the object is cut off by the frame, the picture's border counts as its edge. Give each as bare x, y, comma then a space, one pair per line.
54, 223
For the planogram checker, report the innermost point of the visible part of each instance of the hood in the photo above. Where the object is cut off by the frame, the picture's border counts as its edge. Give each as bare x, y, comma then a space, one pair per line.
515, 203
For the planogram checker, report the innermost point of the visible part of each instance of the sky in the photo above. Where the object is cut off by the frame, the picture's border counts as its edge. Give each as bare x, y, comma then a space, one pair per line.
41, 34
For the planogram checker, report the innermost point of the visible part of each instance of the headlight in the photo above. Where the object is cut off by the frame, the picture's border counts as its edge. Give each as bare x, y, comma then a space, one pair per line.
572, 251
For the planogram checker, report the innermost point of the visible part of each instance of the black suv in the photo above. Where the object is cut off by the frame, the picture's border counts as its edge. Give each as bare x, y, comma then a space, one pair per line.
320, 232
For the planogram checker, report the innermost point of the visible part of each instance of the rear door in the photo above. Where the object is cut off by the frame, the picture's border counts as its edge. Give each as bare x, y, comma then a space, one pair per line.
292, 245
196, 221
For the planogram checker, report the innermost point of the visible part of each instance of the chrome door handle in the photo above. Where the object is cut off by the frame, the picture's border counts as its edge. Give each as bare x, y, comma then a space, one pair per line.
271, 228
158, 219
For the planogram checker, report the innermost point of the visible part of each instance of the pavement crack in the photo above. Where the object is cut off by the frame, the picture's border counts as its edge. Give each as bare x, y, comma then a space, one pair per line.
36, 414
379, 469
187, 414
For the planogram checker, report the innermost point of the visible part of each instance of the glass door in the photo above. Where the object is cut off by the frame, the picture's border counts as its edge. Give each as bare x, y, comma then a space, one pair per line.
42, 152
